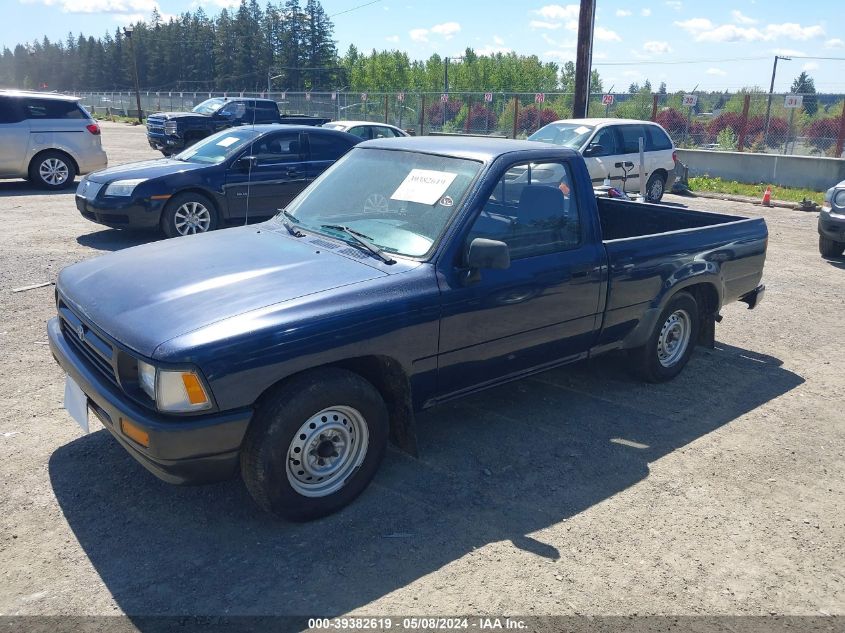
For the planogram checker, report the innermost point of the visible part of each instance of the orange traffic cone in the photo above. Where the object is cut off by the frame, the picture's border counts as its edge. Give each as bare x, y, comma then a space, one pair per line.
767, 197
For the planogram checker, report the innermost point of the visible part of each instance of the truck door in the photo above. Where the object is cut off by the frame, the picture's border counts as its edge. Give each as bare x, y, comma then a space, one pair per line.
543, 308
277, 176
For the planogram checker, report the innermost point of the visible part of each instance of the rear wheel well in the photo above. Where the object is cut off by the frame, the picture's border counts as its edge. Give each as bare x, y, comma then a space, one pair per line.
58, 151
707, 298
390, 380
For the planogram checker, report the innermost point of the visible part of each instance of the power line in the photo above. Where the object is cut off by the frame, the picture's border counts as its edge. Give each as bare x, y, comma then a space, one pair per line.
682, 61
360, 6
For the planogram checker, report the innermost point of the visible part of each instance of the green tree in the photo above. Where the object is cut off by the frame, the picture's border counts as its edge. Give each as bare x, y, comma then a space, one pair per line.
805, 85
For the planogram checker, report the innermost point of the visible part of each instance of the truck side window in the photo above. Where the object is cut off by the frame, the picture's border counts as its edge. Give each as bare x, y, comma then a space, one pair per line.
533, 209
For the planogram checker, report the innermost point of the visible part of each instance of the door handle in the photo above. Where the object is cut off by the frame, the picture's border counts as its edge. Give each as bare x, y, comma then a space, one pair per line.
293, 173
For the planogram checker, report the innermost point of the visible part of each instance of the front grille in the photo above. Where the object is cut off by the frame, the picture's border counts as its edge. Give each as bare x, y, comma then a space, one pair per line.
98, 352
155, 126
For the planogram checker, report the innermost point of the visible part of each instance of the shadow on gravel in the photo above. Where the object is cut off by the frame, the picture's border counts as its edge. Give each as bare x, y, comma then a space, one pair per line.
497, 466
11, 188
117, 239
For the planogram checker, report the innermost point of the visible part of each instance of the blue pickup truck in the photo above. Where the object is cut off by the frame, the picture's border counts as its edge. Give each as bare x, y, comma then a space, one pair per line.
412, 272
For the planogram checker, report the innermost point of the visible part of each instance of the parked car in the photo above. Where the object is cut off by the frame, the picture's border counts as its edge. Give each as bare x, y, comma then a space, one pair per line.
366, 130
412, 272
605, 142
47, 138
171, 132
832, 222
239, 174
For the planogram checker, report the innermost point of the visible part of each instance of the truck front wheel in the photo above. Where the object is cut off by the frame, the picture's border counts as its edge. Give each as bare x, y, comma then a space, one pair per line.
314, 444
830, 248
671, 343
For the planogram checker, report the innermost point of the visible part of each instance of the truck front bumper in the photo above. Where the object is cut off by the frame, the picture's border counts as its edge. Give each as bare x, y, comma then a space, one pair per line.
752, 299
166, 144
182, 450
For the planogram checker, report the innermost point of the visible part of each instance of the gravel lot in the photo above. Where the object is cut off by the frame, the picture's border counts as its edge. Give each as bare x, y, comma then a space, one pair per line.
577, 491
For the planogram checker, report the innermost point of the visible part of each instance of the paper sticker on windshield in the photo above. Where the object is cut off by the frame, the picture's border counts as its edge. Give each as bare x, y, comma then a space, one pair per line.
582, 129
225, 142
424, 186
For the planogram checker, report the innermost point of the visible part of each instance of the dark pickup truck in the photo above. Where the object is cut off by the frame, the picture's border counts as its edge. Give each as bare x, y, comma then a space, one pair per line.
171, 132
412, 272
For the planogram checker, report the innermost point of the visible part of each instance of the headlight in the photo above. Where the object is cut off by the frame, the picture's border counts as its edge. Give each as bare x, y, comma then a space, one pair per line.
173, 391
123, 187
839, 199
170, 127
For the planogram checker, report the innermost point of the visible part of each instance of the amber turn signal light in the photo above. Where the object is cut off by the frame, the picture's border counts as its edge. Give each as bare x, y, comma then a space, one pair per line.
135, 433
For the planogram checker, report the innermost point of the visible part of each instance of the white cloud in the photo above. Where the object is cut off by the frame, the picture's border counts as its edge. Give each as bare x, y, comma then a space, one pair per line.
622, 13
788, 52
674, 4
730, 33
498, 40
657, 47
606, 35
559, 12
645, 12
810, 66
541, 24
739, 18
491, 49
133, 7
392, 38
563, 56
715, 71
447, 29
694, 25
419, 35
835, 43
793, 31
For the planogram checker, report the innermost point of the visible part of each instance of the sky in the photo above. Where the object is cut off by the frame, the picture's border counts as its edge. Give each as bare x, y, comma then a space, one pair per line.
716, 45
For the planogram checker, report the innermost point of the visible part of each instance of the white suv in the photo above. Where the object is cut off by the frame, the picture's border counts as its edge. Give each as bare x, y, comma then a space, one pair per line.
47, 138
604, 143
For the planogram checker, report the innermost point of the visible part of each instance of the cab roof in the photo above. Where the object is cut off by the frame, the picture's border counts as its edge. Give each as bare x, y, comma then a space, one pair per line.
484, 149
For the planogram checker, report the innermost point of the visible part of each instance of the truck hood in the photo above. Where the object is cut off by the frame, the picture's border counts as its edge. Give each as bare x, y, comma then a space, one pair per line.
179, 115
147, 295
144, 169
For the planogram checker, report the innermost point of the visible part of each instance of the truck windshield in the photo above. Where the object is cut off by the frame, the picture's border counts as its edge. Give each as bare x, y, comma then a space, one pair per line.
572, 135
217, 147
209, 106
400, 201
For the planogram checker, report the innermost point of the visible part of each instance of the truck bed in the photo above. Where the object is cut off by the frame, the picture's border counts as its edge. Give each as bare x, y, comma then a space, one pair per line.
622, 219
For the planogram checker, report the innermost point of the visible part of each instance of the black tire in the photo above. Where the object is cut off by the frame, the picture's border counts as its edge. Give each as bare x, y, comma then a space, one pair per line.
652, 363
278, 426
187, 214
655, 187
52, 170
830, 248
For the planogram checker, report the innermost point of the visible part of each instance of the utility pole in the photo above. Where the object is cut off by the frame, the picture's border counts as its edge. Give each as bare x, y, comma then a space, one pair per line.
446, 75
127, 31
771, 90
584, 58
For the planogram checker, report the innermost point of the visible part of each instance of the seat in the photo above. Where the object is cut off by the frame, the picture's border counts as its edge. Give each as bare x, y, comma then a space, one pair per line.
541, 205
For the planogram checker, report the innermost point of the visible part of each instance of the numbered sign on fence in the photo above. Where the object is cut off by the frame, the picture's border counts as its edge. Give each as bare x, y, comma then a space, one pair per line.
793, 101
308, 96
334, 96
363, 96
400, 96
444, 98
539, 98
488, 97
690, 100
607, 99
283, 96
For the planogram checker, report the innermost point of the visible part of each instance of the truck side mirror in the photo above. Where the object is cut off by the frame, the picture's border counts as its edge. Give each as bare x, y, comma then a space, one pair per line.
484, 253
593, 149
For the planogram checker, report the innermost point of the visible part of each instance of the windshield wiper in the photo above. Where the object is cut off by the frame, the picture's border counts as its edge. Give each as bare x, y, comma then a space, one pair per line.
363, 240
287, 219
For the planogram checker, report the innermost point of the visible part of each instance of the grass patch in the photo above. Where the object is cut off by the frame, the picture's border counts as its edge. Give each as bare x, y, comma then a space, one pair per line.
115, 118
789, 194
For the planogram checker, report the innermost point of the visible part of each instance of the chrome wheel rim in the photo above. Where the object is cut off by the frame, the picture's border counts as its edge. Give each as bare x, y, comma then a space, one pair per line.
192, 217
674, 338
326, 450
53, 171
656, 189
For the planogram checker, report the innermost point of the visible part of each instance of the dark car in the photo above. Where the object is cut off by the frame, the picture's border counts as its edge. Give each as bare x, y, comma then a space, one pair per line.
171, 132
413, 272
234, 176
832, 222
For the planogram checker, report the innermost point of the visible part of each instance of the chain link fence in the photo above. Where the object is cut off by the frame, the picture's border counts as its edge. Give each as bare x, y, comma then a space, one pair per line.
812, 125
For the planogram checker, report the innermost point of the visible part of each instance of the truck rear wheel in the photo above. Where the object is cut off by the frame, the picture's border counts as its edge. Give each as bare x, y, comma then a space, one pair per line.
671, 343
315, 444
830, 248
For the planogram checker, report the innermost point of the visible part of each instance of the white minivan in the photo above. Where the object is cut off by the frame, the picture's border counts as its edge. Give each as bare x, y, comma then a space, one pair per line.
604, 143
